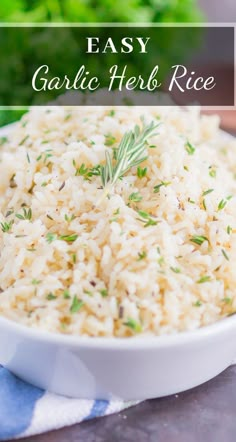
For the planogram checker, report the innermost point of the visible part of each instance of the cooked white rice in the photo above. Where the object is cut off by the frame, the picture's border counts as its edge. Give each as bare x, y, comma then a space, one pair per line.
119, 277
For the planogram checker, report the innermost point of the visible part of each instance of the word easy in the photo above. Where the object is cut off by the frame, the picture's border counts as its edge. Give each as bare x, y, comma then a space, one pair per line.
126, 45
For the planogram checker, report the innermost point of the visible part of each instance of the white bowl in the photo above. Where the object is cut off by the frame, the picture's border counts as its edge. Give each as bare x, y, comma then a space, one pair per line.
105, 368
129, 368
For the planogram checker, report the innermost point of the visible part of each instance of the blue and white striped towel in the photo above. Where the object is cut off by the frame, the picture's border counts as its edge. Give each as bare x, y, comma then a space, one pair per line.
26, 410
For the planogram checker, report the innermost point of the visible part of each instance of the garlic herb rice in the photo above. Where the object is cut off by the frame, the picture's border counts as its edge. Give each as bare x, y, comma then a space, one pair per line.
117, 226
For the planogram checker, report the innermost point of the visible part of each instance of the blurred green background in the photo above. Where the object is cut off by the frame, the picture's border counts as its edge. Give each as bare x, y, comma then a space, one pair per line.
89, 11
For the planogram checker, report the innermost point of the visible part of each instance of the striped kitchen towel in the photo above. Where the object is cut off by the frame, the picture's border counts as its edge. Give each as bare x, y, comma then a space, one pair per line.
26, 410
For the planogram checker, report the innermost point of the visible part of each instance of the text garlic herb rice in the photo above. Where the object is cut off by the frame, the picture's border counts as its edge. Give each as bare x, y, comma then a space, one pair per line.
117, 221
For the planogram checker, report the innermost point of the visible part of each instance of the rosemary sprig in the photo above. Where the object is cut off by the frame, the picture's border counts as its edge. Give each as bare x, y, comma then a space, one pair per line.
130, 152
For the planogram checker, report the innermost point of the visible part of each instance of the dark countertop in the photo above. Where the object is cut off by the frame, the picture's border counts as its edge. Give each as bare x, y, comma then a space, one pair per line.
206, 413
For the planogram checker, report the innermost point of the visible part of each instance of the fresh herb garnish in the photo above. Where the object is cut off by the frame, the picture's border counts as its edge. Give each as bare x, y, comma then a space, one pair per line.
111, 113
134, 325
147, 219
6, 227
131, 151
225, 254
66, 294
51, 297
204, 278
207, 192
104, 293
3, 140
156, 189
222, 204
229, 229
198, 239
86, 172
27, 214
109, 140
135, 197
50, 237
175, 269
142, 255
69, 218
76, 305
141, 173
23, 140
68, 238
36, 281
212, 171
189, 148
227, 300
197, 303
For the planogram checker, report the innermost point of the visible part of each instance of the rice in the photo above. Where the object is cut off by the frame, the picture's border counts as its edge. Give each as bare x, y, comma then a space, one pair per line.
117, 276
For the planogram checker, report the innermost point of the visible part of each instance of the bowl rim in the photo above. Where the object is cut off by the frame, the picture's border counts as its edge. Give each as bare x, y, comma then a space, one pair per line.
137, 342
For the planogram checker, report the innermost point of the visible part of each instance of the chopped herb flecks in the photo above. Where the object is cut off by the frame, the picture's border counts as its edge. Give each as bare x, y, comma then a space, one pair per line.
142, 255
146, 219
198, 239
76, 305
229, 230
156, 189
175, 269
135, 197
109, 140
66, 294
197, 303
141, 173
222, 204
104, 293
189, 148
212, 171
51, 297
204, 278
6, 227
50, 237
225, 254
68, 238
134, 325
27, 214
207, 192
